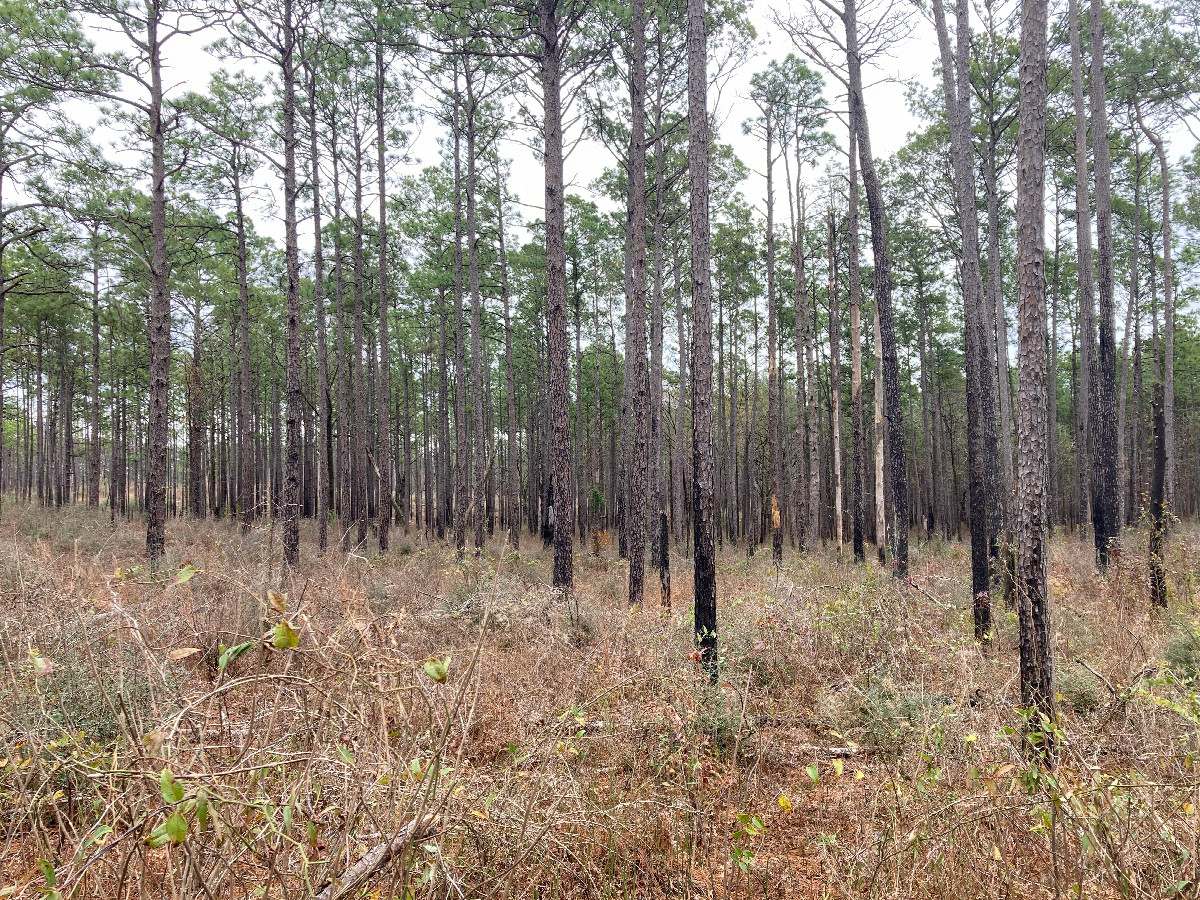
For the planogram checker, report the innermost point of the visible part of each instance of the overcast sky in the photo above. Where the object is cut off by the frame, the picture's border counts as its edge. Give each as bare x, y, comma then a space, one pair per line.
189, 67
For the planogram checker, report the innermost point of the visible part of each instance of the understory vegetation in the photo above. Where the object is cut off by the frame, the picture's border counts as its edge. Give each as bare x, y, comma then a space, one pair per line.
221, 730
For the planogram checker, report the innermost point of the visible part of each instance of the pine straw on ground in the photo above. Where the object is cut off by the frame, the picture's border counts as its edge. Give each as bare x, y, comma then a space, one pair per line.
858, 743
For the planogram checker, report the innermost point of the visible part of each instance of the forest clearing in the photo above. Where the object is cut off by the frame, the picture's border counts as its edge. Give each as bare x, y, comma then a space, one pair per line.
858, 743
479, 449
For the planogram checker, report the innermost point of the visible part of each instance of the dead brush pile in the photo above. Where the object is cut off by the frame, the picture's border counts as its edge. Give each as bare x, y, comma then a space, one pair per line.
412, 726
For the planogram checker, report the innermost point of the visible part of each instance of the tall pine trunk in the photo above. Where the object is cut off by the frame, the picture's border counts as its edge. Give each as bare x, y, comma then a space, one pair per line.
1033, 602
705, 572
636, 375
556, 295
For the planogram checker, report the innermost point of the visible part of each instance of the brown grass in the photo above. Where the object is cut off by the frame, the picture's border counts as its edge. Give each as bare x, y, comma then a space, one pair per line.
858, 744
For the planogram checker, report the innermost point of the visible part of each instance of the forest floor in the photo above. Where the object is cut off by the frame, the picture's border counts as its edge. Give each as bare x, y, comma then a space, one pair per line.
221, 729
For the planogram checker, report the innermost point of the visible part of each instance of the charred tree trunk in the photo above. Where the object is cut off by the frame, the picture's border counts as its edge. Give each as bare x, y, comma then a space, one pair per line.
635, 361
705, 577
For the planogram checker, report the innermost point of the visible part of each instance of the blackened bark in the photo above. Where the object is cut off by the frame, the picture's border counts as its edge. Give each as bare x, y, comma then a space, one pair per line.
880, 448
195, 417
1168, 343
893, 411
635, 326
705, 577
291, 466
1105, 517
1158, 524
980, 405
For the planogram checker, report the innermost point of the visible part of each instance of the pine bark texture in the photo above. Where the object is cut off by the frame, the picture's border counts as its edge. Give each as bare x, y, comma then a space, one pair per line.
978, 376
635, 361
1033, 601
893, 409
705, 571
556, 305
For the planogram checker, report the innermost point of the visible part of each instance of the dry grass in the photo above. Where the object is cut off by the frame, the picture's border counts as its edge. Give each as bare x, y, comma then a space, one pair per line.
859, 742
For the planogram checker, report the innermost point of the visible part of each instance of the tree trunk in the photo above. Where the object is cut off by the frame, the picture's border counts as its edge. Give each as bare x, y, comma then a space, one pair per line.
1089, 376
556, 296
1128, 462
462, 461
705, 577
1168, 344
660, 521
324, 443
980, 406
291, 467
893, 410
773, 392
996, 303
1036, 664
1158, 510
835, 381
512, 480
94, 443
856, 423
635, 325
880, 455
678, 464
195, 416
1106, 516
358, 493
383, 465
478, 482
159, 322
1052, 400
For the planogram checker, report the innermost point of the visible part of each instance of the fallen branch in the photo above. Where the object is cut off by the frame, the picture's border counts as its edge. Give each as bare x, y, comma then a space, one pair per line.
375, 859
1103, 680
833, 752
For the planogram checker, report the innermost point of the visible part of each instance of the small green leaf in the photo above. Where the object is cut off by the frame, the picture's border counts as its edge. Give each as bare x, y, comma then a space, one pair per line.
437, 669
230, 654
48, 872
202, 809
285, 637
172, 790
186, 574
813, 773
177, 828
346, 756
158, 837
